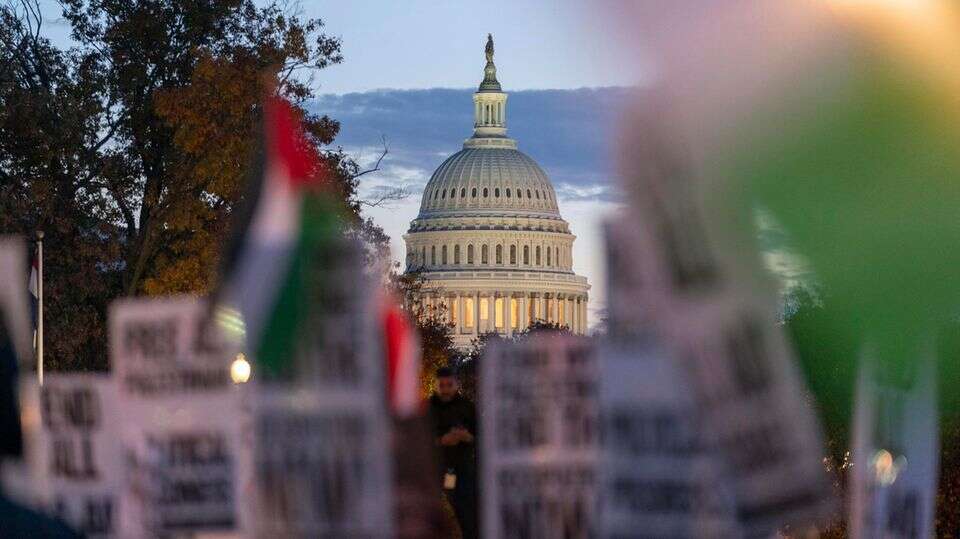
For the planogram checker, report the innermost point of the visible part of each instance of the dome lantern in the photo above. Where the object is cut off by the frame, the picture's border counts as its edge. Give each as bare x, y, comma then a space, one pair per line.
490, 107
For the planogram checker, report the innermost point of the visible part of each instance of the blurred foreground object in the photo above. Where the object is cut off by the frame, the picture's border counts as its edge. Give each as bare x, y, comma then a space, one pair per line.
16, 520
322, 462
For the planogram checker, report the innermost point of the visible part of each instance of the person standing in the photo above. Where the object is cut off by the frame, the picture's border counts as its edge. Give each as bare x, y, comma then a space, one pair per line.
455, 427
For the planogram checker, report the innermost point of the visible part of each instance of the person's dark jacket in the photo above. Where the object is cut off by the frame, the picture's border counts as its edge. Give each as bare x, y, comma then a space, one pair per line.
459, 412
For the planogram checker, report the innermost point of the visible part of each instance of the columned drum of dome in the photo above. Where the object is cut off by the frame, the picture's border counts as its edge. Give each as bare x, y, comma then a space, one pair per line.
489, 240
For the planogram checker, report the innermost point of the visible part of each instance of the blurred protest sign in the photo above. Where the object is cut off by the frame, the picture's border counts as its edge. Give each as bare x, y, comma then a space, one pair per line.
80, 456
322, 431
181, 419
714, 309
657, 473
539, 437
895, 451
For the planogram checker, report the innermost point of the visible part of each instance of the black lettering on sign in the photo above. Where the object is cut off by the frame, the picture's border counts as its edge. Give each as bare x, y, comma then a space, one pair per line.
580, 423
195, 449
63, 408
677, 224
522, 428
151, 339
97, 515
73, 457
903, 517
746, 349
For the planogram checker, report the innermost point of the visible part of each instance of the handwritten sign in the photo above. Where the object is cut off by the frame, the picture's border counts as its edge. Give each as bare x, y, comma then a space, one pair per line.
710, 303
80, 457
181, 419
322, 446
657, 473
539, 436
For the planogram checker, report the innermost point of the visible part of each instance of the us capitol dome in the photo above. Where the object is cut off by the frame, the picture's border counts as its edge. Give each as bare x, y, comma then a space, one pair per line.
489, 241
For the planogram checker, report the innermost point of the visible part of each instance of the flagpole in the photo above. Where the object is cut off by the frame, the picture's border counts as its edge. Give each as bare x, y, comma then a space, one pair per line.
40, 307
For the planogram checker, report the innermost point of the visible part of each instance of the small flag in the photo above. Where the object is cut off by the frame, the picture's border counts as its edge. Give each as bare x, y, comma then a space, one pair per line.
34, 288
288, 215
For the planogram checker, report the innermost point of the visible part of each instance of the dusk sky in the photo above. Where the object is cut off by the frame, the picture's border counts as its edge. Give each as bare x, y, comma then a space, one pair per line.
408, 74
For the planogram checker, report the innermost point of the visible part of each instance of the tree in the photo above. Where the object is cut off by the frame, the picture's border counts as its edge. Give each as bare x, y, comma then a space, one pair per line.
131, 149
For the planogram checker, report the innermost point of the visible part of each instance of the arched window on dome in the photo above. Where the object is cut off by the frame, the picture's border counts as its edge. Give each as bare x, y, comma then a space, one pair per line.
433, 255
508, 192
549, 250
473, 193
496, 192
470, 254
513, 255
436, 194
443, 194
538, 194
499, 254
443, 255
528, 194
485, 192
537, 255
526, 255
453, 193
484, 254
456, 254
463, 192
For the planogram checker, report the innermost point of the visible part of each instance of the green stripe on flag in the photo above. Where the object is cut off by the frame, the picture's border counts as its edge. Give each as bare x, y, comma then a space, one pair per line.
319, 234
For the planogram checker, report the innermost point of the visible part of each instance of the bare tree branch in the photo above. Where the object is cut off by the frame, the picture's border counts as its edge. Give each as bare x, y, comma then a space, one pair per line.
397, 193
376, 166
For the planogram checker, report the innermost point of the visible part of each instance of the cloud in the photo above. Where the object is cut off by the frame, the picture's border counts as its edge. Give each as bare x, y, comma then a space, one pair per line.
568, 132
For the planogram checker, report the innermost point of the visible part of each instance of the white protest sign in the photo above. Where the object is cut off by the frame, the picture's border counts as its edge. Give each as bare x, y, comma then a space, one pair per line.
895, 454
657, 474
322, 446
79, 451
181, 419
539, 438
710, 303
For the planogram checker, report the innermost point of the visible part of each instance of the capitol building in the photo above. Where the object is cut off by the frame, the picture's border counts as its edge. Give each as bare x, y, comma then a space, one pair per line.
489, 241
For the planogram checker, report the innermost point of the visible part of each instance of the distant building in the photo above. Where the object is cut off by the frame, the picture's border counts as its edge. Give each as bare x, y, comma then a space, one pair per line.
489, 240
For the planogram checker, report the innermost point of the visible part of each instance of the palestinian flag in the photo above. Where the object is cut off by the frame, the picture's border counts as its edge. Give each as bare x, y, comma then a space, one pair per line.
289, 214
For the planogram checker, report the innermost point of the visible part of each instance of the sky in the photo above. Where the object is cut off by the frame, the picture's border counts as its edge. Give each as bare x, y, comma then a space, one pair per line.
408, 75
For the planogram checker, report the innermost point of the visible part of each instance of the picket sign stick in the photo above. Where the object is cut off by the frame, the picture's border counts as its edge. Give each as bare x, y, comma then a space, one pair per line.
40, 307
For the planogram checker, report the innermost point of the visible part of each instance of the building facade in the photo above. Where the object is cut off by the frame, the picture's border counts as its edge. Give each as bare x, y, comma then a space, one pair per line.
489, 240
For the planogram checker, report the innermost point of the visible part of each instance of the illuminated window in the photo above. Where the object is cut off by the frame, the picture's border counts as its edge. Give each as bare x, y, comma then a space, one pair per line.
454, 310
484, 309
468, 312
514, 313
498, 313
531, 309
561, 311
